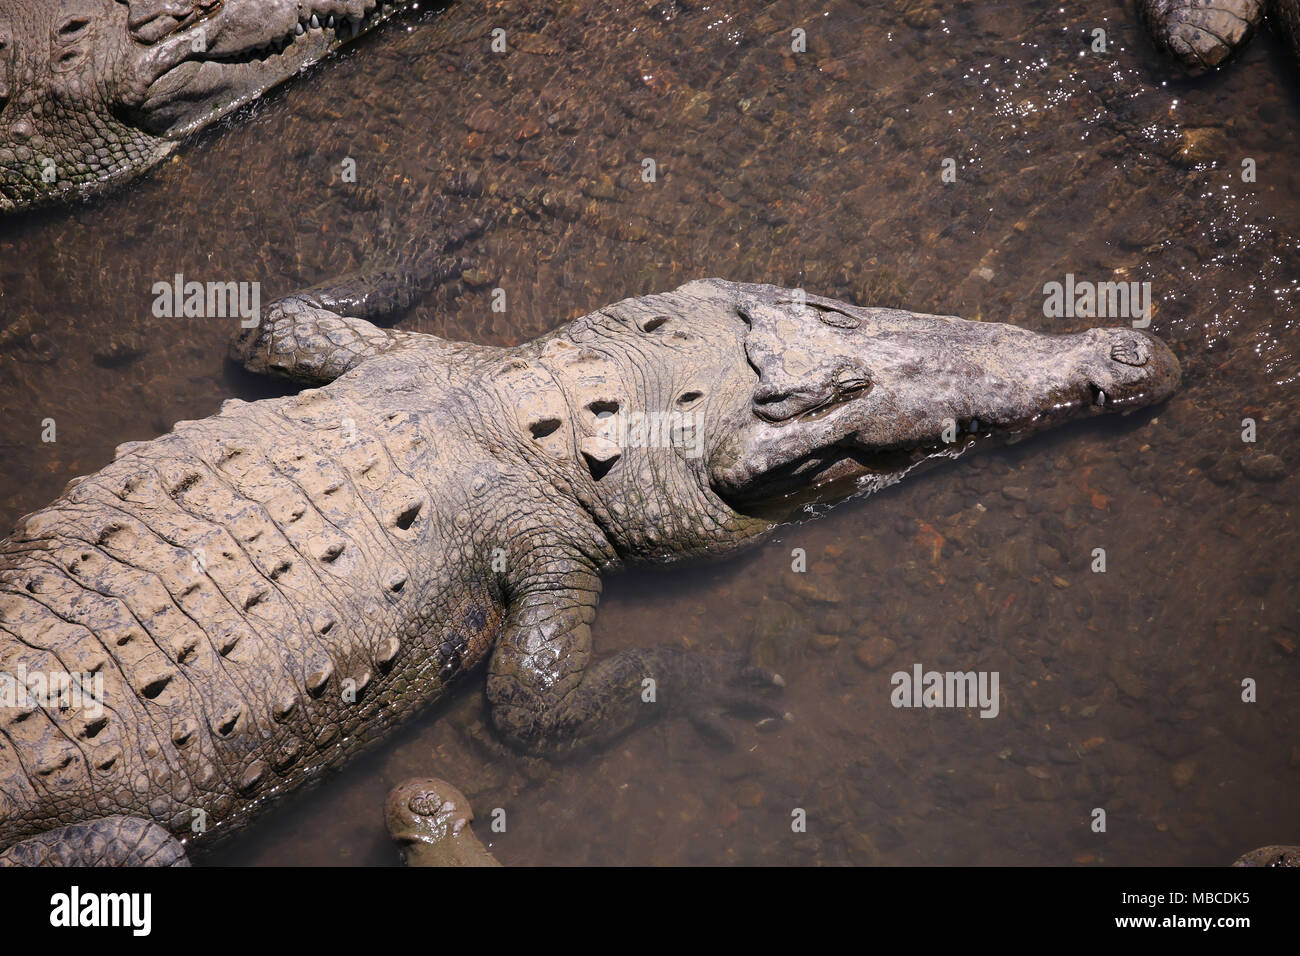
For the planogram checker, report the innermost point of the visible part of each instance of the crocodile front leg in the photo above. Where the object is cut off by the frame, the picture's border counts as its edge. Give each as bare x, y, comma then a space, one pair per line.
303, 341
544, 698
315, 335
109, 841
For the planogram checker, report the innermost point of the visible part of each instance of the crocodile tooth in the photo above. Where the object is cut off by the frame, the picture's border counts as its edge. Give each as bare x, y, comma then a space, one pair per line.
315, 22
298, 30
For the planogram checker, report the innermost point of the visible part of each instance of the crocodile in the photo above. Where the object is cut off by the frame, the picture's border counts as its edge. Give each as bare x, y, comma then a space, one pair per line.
429, 819
251, 599
1204, 34
94, 92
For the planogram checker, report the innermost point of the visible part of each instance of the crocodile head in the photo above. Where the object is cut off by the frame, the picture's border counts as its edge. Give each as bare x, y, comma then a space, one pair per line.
94, 91
847, 399
785, 401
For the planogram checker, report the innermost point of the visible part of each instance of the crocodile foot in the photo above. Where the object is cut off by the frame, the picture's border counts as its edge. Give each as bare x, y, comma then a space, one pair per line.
732, 686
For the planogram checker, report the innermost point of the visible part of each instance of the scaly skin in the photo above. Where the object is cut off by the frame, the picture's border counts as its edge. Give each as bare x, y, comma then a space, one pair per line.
94, 92
1205, 34
266, 591
430, 821
1271, 856
111, 841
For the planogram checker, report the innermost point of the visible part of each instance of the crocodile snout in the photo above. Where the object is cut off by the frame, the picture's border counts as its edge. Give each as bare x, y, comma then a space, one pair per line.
1135, 368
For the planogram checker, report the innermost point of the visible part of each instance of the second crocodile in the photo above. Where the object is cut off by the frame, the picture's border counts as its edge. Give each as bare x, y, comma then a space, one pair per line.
94, 92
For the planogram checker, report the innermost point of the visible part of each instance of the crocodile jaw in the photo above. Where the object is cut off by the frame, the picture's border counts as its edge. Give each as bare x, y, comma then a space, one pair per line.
226, 54
839, 410
93, 92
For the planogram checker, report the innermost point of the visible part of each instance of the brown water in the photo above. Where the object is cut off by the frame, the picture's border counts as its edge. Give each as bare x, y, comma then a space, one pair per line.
822, 170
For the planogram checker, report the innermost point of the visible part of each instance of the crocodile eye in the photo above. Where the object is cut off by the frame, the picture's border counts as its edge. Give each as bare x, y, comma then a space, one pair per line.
69, 44
72, 27
839, 320
849, 379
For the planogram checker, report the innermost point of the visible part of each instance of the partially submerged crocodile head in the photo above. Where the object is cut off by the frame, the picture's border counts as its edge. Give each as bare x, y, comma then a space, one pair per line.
768, 401
93, 92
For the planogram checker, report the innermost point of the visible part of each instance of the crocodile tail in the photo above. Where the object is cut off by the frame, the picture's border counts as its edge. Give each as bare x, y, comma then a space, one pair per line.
110, 841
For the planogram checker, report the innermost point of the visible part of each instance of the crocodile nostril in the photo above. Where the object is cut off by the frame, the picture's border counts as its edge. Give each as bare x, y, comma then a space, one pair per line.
837, 319
1130, 351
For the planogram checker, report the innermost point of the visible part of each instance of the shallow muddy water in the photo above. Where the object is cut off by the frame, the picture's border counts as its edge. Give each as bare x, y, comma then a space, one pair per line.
820, 169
